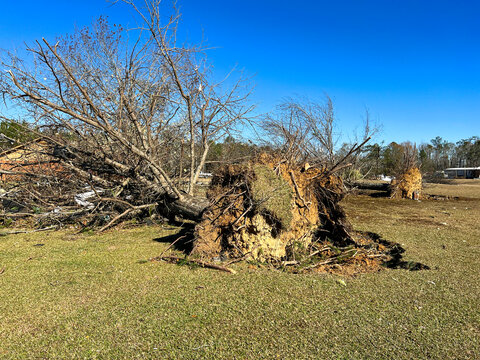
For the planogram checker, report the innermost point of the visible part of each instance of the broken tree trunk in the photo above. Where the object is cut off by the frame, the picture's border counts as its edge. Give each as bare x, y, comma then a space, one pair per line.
188, 207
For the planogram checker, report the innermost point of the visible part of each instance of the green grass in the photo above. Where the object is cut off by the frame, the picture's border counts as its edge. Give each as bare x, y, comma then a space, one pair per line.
87, 297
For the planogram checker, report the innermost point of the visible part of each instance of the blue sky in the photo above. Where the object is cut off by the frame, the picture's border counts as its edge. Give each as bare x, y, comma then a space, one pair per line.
414, 64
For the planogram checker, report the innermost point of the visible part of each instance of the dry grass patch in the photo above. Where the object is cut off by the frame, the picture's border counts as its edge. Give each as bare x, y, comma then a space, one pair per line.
465, 188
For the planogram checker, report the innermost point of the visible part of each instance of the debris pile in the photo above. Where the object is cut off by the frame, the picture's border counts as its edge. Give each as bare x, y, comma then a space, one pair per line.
38, 190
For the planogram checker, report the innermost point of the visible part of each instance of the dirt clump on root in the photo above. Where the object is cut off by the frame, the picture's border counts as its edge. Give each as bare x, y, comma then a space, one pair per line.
285, 215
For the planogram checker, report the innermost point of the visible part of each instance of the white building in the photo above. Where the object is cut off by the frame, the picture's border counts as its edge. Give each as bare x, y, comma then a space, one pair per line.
463, 173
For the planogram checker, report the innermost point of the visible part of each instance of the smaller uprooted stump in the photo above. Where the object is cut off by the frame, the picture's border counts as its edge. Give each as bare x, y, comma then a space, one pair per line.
275, 212
407, 185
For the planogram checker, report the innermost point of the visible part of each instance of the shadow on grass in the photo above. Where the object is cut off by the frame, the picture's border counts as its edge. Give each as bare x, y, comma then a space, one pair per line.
396, 251
379, 194
183, 239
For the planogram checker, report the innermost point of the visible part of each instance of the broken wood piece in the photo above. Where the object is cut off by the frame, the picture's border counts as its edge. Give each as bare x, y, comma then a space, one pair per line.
319, 251
291, 262
169, 246
326, 262
5, 233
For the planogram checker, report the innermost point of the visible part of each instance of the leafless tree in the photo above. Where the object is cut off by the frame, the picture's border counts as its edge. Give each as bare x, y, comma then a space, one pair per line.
306, 130
119, 104
409, 158
287, 130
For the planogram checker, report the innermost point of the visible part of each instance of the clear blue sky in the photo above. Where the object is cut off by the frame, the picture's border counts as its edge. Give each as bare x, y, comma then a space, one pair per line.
414, 63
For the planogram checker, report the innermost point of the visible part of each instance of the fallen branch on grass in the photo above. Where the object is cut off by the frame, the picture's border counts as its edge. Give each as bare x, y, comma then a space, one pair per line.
333, 259
126, 212
169, 246
243, 257
5, 233
194, 261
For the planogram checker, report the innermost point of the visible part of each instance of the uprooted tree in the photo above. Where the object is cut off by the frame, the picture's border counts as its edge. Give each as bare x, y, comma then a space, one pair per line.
287, 214
408, 178
278, 208
132, 113
402, 161
117, 116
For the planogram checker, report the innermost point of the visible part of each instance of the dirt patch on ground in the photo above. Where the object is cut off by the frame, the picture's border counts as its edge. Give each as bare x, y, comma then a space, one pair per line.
439, 197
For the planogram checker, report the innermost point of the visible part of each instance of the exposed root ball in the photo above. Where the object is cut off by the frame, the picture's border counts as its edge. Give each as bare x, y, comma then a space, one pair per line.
408, 185
289, 216
268, 209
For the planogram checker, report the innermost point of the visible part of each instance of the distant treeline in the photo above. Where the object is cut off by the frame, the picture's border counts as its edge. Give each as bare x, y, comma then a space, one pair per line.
375, 159
436, 155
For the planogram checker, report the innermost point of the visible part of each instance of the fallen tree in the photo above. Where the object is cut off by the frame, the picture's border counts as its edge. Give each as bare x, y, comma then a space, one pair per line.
130, 113
119, 121
370, 185
408, 185
407, 177
267, 207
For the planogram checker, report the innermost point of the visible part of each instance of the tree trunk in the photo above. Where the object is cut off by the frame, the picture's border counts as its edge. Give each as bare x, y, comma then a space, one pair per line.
371, 186
188, 207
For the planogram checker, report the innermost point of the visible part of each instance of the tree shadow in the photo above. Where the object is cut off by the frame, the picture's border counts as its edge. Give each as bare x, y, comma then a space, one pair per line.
183, 239
396, 252
379, 194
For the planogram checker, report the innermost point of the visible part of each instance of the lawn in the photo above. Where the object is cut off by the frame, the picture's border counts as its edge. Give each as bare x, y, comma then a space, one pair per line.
456, 187
95, 296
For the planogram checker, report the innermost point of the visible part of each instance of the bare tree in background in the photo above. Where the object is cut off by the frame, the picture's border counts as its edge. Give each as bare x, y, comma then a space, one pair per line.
409, 158
288, 131
305, 130
119, 105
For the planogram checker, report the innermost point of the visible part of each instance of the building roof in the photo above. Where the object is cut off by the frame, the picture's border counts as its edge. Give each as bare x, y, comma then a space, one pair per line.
464, 168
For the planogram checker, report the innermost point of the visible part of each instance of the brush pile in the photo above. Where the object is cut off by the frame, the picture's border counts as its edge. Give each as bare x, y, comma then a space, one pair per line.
270, 211
39, 188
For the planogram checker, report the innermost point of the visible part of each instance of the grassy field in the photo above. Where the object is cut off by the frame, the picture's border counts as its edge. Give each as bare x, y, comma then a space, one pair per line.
456, 187
95, 296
